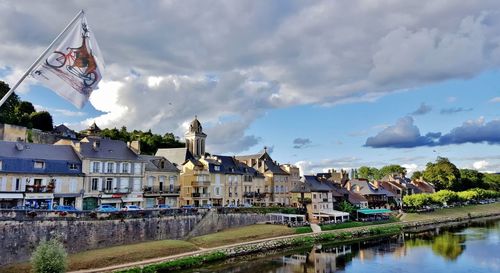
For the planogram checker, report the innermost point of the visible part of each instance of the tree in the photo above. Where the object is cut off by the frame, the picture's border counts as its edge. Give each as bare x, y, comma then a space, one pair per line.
417, 200
470, 179
492, 181
346, 207
392, 170
417, 175
443, 173
49, 257
368, 173
42, 120
444, 197
8, 109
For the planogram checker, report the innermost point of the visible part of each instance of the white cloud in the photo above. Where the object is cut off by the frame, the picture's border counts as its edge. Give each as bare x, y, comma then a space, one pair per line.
480, 165
169, 60
410, 168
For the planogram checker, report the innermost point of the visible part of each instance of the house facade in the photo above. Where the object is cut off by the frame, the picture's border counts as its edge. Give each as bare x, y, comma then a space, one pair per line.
161, 182
40, 176
113, 172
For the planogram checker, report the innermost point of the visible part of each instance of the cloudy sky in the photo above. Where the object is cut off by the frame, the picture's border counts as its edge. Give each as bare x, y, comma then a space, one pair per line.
324, 84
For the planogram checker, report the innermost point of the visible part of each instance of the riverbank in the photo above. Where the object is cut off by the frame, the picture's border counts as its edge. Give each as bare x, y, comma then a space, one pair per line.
243, 241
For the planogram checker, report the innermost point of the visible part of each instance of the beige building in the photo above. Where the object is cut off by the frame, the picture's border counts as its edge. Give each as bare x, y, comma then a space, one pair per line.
113, 171
39, 176
161, 182
277, 185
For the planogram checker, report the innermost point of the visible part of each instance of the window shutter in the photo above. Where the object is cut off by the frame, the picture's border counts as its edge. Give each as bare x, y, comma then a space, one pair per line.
3, 184
91, 166
58, 185
73, 185
99, 184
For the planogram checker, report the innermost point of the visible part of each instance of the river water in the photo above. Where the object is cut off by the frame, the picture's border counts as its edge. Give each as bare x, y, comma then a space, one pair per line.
474, 248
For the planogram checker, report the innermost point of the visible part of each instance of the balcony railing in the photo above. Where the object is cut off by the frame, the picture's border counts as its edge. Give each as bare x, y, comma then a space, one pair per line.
160, 190
204, 183
116, 190
40, 188
200, 195
254, 195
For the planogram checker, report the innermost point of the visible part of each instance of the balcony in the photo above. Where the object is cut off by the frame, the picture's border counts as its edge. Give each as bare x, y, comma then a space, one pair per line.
116, 190
40, 188
254, 194
204, 183
161, 190
200, 195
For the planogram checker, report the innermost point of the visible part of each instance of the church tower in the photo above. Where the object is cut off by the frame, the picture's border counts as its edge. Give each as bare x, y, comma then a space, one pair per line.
195, 138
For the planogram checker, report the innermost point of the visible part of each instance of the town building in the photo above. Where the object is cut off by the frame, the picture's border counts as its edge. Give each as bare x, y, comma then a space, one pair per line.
113, 171
39, 176
161, 182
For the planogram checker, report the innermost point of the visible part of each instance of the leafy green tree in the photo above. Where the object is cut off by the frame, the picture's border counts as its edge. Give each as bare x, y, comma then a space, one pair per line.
417, 175
25, 107
491, 181
443, 173
8, 109
470, 179
444, 197
469, 195
42, 120
49, 257
392, 170
346, 207
368, 173
417, 200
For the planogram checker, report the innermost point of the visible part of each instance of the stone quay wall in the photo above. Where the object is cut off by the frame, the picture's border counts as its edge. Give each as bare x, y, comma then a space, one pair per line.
20, 236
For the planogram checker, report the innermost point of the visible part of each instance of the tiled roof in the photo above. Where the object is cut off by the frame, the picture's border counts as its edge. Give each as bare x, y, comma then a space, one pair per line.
153, 163
177, 156
356, 198
106, 149
37, 151
365, 188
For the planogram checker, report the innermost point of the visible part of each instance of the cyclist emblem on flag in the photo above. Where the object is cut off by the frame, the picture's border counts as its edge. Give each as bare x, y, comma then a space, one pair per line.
73, 68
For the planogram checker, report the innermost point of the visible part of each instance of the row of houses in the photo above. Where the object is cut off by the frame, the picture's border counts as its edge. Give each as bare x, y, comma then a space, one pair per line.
93, 171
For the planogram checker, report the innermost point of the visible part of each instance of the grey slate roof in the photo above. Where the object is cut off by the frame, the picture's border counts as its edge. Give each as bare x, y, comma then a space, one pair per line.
153, 163
365, 188
108, 149
177, 156
37, 151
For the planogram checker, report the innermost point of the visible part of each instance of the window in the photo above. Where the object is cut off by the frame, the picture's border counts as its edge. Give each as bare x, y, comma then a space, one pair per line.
0, 164
110, 167
125, 168
109, 183
314, 196
96, 166
18, 184
73, 166
95, 181
217, 191
39, 164
217, 168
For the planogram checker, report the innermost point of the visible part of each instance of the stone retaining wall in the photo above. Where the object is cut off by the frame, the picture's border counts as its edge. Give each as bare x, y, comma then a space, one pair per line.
18, 239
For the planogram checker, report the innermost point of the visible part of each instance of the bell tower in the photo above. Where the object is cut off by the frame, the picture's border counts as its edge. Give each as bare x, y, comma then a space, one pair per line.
195, 138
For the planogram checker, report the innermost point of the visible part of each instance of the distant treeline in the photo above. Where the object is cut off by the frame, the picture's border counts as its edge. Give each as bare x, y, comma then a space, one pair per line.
149, 142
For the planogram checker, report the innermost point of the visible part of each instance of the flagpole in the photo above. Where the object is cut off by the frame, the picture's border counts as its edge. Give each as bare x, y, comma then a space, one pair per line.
40, 58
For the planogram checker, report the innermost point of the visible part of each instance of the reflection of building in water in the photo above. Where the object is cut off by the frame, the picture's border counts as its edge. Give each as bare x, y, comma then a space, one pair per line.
369, 250
319, 260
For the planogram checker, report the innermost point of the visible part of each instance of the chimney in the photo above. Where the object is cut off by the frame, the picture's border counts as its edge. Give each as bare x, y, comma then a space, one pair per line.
348, 186
135, 146
77, 147
376, 184
96, 144
358, 188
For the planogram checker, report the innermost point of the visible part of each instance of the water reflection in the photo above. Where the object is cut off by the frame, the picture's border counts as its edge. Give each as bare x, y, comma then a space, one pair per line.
462, 249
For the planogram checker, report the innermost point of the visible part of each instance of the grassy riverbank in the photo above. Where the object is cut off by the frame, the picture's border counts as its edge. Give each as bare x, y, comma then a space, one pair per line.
143, 251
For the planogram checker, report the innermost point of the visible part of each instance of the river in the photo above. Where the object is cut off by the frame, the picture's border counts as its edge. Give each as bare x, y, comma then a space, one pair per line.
474, 248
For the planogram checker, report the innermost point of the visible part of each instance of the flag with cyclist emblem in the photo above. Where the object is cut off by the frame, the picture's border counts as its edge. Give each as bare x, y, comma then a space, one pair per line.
73, 67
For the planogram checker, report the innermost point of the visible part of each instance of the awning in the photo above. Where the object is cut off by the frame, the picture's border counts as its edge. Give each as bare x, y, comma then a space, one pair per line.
57, 195
132, 199
11, 196
334, 213
38, 196
374, 211
110, 201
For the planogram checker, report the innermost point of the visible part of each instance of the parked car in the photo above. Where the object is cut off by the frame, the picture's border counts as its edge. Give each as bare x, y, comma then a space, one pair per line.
65, 208
230, 206
187, 207
106, 208
162, 206
131, 208
207, 206
246, 205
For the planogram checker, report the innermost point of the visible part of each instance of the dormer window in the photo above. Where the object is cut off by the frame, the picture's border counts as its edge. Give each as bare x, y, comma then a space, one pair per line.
162, 164
217, 168
73, 166
39, 164
0, 165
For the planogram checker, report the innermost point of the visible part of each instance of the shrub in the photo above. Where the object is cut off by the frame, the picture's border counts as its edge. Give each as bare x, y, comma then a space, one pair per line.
300, 230
49, 257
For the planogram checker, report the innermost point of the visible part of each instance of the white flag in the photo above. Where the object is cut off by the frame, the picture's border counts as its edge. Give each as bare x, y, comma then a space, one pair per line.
73, 68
